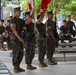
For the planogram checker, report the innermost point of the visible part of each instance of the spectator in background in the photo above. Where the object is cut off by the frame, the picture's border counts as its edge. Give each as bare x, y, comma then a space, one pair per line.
71, 24
7, 34
2, 30
65, 32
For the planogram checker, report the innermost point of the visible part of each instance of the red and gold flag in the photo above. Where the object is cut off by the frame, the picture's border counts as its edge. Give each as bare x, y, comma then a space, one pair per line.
31, 6
44, 6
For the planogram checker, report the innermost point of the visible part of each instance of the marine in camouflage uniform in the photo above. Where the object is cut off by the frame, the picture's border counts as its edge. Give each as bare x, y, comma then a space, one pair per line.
50, 39
30, 50
17, 25
41, 41
65, 32
71, 24
2, 30
8, 34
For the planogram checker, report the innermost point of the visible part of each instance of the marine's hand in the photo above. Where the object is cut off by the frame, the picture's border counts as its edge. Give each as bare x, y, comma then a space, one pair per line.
21, 40
36, 35
46, 34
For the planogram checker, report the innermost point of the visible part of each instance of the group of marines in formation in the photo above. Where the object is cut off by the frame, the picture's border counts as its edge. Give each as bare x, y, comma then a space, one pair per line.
24, 35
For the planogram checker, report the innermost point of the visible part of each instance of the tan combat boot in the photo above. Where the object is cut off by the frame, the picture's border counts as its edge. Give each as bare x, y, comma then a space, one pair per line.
2, 49
17, 69
30, 67
21, 70
50, 62
41, 64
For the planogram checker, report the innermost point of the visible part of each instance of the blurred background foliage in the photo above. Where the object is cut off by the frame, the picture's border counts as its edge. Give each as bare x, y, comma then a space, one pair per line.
66, 7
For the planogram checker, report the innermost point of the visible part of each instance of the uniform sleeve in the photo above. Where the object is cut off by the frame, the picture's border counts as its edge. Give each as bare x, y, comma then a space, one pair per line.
48, 24
61, 28
73, 24
24, 25
12, 23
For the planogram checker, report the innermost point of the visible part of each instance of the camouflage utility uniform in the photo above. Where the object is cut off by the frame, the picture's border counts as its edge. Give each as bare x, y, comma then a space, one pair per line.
17, 45
30, 49
71, 24
50, 41
41, 41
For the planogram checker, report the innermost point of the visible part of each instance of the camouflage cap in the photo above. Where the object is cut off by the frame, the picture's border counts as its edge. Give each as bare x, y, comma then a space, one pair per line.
50, 12
17, 9
27, 13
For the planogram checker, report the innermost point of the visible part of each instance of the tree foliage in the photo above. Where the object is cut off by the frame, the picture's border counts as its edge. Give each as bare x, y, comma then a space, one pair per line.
61, 6
24, 5
58, 6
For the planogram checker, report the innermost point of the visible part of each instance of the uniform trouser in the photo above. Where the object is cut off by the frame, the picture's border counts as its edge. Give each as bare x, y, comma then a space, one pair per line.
8, 41
41, 48
56, 44
17, 52
50, 48
30, 50
72, 33
67, 37
1, 41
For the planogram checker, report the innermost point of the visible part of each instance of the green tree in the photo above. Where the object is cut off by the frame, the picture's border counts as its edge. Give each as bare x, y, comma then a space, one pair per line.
58, 6
24, 5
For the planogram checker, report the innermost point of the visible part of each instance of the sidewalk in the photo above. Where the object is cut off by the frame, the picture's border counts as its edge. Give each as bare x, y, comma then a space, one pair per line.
63, 68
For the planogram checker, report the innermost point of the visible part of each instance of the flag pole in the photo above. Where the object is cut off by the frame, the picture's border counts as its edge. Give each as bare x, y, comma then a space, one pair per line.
56, 11
35, 29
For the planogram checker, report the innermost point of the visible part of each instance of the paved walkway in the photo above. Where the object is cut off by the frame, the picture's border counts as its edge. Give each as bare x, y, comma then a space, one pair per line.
63, 68
3, 69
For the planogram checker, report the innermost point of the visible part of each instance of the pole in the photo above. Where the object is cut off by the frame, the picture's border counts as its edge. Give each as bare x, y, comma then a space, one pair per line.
35, 29
0, 9
56, 11
46, 22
